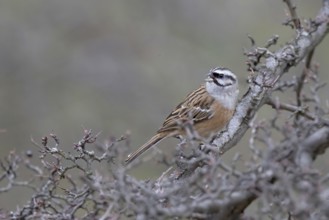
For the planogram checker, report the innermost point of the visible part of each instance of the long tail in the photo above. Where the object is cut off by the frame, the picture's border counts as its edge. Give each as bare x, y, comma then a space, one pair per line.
150, 143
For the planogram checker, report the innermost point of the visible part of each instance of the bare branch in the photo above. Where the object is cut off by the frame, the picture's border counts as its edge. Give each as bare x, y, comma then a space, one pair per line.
291, 108
293, 13
313, 145
272, 68
301, 79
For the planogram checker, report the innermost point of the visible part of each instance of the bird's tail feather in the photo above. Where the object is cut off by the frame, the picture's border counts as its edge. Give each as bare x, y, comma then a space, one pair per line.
150, 143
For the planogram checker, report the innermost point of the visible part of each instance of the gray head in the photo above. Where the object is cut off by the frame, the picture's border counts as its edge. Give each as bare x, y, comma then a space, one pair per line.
222, 84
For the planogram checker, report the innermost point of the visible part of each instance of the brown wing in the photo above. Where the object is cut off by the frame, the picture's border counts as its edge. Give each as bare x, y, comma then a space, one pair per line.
196, 106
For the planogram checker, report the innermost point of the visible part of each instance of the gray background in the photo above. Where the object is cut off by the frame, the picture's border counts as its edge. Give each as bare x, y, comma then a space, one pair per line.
121, 65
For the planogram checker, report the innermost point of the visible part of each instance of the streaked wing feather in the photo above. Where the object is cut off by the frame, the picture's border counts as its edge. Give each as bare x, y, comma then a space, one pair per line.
191, 108
199, 113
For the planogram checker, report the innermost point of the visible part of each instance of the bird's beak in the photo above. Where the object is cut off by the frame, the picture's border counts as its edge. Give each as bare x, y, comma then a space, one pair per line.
209, 79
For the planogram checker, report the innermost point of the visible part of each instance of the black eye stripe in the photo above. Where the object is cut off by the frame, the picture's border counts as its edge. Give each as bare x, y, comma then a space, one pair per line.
218, 75
222, 76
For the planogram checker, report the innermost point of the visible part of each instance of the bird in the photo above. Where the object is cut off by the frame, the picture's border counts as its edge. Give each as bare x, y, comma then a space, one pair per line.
210, 107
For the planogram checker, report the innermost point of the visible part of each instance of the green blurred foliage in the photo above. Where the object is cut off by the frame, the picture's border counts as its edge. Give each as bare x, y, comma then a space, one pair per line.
121, 65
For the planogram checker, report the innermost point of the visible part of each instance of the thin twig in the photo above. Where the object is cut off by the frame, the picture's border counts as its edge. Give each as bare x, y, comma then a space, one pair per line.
293, 14
291, 108
301, 79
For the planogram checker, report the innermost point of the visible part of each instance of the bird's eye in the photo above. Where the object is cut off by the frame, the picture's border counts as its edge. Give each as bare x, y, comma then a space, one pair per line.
218, 75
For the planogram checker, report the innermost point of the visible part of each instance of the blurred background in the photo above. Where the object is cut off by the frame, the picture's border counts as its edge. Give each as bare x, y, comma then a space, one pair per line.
122, 65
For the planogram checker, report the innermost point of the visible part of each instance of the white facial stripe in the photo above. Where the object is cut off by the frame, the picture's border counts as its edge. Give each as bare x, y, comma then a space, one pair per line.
226, 89
222, 77
226, 72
